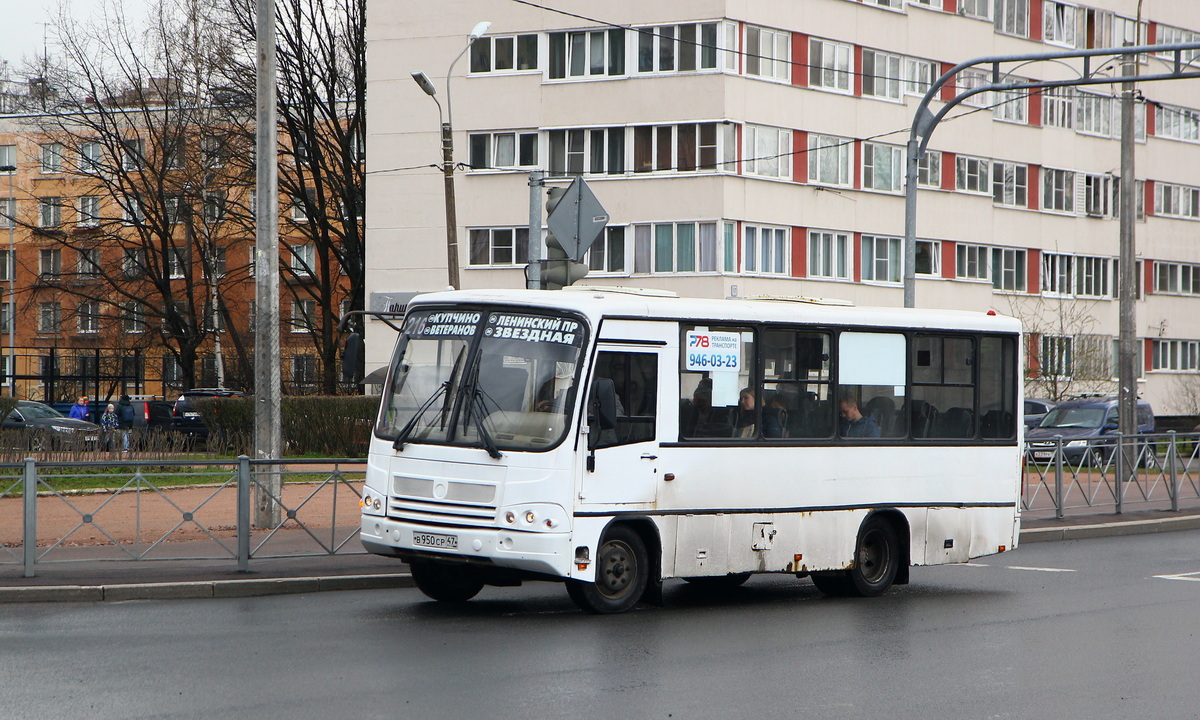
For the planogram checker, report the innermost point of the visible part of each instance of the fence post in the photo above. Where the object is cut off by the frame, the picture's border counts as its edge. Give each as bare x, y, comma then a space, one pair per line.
1171, 455
1119, 474
1058, 477
29, 489
243, 514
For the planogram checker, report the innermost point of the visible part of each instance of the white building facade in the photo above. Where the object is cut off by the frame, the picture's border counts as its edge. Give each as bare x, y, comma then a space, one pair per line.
748, 147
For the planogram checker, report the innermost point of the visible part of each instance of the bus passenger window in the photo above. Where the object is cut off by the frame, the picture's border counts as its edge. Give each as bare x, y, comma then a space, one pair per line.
871, 385
943, 391
796, 389
717, 363
997, 392
634, 382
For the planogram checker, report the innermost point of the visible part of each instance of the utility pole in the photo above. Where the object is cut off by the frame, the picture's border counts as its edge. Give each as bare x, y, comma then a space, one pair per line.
1127, 325
537, 250
268, 436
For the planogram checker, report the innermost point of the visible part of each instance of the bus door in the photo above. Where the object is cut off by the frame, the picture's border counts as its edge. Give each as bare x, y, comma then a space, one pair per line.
622, 439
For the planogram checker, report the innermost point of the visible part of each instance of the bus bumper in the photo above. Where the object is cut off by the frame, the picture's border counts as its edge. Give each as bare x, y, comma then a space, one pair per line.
545, 553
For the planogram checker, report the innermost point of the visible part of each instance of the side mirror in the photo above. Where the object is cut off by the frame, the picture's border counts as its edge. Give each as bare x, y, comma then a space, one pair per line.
350, 357
1112, 426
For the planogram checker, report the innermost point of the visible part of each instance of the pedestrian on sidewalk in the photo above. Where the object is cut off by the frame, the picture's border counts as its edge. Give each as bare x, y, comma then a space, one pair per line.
79, 410
125, 416
109, 425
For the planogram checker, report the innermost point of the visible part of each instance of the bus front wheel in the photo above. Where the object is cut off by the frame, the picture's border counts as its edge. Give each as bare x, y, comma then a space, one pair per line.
622, 570
446, 583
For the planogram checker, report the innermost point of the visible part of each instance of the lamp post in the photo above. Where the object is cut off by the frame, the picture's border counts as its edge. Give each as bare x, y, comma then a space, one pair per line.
12, 286
446, 125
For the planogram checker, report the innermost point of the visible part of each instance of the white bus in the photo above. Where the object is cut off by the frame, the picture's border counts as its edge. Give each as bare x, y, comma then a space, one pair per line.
614, 439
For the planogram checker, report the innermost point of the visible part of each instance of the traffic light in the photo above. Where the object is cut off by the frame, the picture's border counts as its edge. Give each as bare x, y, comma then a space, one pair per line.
558, 270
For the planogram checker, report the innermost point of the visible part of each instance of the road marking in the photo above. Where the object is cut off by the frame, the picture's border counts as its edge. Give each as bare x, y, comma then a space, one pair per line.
1038, 569
1192, 576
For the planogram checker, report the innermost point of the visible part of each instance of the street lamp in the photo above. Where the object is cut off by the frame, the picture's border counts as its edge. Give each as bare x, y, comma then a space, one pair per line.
448, 153
12, 286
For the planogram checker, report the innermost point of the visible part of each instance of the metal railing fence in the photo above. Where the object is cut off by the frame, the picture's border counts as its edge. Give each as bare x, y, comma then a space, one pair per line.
1112, 473
62, 512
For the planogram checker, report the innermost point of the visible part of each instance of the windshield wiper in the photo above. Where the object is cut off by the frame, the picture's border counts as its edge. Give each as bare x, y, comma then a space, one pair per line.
402, 436
484, 436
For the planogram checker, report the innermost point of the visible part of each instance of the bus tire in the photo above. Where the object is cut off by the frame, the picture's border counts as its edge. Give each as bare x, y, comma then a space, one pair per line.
622, 571
876, 558
444, 582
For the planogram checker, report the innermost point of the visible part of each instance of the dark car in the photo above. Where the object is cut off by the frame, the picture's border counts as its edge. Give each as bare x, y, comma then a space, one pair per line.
186, 419
49, 427
1035, 410
1086, 426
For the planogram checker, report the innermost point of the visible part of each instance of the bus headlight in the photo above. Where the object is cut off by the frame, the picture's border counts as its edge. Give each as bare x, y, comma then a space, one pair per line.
533, 517
372, 502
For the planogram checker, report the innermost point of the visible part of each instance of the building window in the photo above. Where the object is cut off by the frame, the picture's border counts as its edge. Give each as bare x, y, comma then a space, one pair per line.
1058, 107
1059, 21
504, 150
768, 151
504, 53
828, 255
1175, 355
213, 151
8, 212
684, 148
1058, 190
971, 174
214, 206
88, 316
918, 75
768, 53
90, 155
881, 74
7, 313
304, 371
596, 150
49, 212
8, 156
177, 262
173, 153
971, 262
172, 371
132, 154
1011, 105
831, 65
883, 167
607, 253
131, 210
88, 265
499, 246
89, 211
1098, 195
1071, 276
1177, 123
133, 320
766, 250
50, 263
304, 259
52, 158
304, 314
929, 258
1094, 114
1176, 201
970, 79
683, 48
981, 9
1010, 184
929, 169
8, 266
133, 262
675, 247
829, 160
1008, 269
1176, 278
881, 259
1168, 35
49, 317
1055, 359
587, 53
1012, 17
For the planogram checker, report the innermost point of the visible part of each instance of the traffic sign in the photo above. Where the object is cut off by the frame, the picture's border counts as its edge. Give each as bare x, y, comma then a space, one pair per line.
577, 220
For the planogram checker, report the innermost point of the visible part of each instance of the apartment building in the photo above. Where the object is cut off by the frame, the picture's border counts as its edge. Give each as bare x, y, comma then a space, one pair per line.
756, 148
115, 254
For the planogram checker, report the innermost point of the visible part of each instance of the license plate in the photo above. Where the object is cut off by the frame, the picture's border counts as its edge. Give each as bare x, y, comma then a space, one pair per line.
1046, 455
433, 540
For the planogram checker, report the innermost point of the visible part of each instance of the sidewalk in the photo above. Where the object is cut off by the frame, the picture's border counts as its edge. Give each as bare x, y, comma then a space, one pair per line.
78, 574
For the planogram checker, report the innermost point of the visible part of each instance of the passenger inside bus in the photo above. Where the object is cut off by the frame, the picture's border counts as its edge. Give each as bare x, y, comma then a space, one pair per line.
854, 423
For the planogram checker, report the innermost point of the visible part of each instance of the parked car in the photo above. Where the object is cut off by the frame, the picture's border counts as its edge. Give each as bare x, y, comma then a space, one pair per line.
1086, 426
50, 428
186, 419
1035, 410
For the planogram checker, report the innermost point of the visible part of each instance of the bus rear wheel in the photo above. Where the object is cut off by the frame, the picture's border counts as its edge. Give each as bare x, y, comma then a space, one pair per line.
622, 571
446, 583
876, 562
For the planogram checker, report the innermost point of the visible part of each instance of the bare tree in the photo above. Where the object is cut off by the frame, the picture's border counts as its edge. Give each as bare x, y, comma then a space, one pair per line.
158, 237
1070, 357
322, 124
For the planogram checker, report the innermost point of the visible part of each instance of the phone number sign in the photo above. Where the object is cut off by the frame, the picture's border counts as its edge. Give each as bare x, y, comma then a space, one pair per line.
713, 351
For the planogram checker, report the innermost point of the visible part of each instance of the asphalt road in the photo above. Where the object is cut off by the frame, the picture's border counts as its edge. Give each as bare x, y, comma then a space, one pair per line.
1099, 628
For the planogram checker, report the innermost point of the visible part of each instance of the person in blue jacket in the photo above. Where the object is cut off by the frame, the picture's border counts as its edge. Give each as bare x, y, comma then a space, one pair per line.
79, 410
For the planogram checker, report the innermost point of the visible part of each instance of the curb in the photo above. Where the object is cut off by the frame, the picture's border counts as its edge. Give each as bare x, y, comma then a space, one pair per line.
1113, 529
203, 589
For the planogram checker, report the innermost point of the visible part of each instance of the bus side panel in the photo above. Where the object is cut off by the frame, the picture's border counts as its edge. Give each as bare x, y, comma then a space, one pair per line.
970, 532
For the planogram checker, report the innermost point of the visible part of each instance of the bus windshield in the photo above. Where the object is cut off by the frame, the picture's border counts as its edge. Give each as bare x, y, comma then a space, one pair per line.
493, 378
